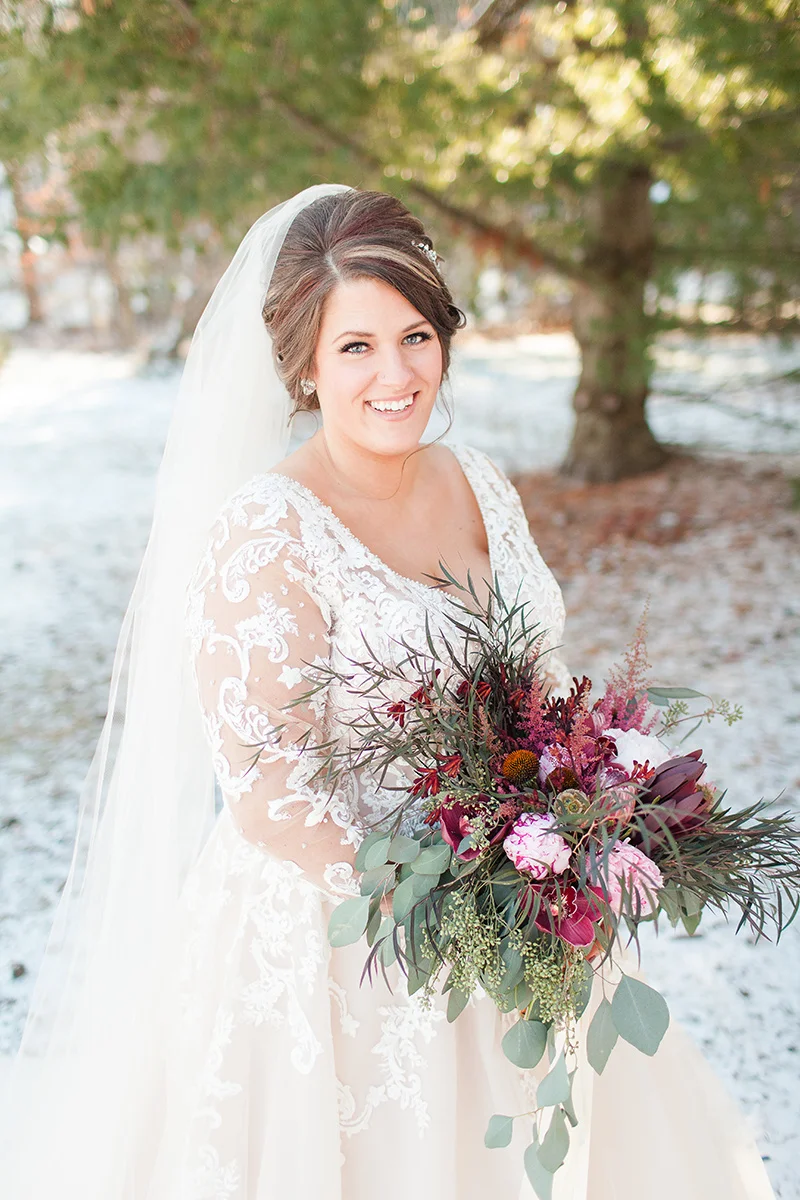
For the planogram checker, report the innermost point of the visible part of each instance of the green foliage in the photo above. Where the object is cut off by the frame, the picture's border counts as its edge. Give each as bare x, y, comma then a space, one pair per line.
499, 1132
640, 1014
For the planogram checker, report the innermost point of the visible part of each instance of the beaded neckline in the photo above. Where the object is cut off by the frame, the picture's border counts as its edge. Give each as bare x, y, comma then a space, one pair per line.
425, 588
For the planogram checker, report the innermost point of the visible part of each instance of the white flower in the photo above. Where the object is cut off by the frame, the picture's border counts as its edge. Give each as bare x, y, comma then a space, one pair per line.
641, 747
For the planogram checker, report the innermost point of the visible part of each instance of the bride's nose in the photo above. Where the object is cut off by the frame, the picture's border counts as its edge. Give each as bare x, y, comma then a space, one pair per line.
394, 370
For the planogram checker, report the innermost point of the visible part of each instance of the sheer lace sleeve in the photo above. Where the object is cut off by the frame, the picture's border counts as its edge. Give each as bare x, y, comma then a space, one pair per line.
255, 624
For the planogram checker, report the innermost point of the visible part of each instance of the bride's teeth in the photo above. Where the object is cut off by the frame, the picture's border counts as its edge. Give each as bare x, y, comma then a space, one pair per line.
391, 405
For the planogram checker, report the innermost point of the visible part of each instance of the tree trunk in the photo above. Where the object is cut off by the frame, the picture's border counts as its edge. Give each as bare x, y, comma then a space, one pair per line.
611, 439
25, 227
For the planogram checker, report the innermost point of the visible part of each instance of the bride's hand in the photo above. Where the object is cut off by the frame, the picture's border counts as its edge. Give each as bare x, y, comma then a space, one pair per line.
386, 903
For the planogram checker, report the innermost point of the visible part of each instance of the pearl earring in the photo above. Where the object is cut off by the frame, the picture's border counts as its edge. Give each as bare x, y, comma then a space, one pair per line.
308, 386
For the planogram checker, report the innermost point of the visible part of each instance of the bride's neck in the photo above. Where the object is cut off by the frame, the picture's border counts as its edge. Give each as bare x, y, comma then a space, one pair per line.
356, 473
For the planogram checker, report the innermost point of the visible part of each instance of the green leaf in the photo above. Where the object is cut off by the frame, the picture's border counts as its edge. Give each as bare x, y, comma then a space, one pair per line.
433, 860
555, 1143
602, 1037
555, 1087
690, 924
377, 854
376, 879
498, 1132
524, 1043
540, 1179
515, 968
403, 849
348, 921
423, 883
386, 951
569, 1105
659, 694
374, 922
465, 844
403, 899
640, 1014
365, 847
585, 994
456, 1002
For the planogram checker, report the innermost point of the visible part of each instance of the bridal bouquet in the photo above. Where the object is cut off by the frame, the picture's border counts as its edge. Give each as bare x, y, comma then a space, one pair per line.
536, 834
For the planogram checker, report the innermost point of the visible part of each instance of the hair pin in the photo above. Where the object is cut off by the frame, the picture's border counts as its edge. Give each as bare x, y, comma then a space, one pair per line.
429, 252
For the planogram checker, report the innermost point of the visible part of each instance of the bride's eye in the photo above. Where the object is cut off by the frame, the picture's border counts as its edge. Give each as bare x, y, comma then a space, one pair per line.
420, 333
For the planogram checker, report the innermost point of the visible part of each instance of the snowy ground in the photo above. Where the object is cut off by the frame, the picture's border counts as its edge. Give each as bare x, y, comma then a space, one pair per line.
81, 437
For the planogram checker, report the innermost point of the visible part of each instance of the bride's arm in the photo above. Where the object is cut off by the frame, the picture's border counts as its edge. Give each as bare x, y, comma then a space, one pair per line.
254, 623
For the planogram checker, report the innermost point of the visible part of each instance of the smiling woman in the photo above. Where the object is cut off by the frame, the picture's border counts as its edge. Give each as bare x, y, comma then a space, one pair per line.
193, 1033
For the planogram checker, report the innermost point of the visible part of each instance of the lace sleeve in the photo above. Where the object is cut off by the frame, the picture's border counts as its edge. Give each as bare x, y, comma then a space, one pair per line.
255, 625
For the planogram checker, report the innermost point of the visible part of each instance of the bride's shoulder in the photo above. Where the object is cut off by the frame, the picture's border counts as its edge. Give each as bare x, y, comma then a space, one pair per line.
266, 501
482, 465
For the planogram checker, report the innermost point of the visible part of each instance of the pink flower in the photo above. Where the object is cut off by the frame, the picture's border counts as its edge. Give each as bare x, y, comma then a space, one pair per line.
566, 913
626, 863
533, 848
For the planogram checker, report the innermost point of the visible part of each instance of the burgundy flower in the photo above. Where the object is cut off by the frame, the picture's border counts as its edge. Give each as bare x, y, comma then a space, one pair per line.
456, 824
566, 913
673, 787
397, 712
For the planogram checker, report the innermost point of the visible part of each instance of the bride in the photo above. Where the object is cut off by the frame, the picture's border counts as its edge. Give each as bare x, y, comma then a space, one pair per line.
192, 1035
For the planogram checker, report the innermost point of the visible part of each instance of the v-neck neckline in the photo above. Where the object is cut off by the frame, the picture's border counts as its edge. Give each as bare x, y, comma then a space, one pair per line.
426, 588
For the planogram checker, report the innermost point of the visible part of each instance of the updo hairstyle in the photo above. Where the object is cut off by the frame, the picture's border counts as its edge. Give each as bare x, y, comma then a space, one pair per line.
338, 238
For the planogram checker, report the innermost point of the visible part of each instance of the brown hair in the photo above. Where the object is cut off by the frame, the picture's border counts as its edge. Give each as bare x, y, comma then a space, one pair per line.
345, 236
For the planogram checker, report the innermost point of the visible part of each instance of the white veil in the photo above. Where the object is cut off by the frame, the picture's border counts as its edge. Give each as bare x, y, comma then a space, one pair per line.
78, 1084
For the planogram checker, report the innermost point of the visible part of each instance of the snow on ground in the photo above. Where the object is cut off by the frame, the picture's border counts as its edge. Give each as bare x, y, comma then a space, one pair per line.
81, 439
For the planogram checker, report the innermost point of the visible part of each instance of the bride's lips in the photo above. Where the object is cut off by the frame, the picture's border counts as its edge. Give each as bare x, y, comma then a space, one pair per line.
397, 414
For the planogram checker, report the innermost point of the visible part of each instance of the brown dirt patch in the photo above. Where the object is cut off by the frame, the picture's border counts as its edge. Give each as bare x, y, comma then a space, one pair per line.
755, 498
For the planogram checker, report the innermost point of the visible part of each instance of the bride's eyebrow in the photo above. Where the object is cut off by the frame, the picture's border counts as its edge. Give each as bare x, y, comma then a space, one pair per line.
364, 333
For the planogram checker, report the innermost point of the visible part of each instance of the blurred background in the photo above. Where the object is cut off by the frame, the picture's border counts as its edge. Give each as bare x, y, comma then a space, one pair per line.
613, 189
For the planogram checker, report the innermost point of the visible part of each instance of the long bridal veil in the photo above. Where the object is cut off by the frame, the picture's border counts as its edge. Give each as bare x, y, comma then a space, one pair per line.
79, 1083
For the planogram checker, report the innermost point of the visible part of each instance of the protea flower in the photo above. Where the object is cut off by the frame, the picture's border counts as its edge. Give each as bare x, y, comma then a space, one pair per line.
673, 787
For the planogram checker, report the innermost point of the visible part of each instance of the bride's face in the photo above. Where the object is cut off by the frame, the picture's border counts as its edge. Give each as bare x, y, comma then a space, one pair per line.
378, 367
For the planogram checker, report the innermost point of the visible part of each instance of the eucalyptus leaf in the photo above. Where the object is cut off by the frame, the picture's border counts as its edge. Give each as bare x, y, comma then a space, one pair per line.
423, 883
465, 844
601, 1037
456, 1003
569, 1105
376, 879
403, 849
515, 967
498, 1132
659, 694
640, 1014
433, 860
377, 854
369, 841
691, 924
555, 1143
585, 994
403, 899
555, 1087
540, 1179
348, 921
374, 922
524, 1043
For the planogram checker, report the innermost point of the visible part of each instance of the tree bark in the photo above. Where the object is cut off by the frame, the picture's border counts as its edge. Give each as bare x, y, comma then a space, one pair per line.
25, 227
611, 439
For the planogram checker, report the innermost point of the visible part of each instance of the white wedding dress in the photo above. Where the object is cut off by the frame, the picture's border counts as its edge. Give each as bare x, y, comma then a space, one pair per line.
281, 1076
